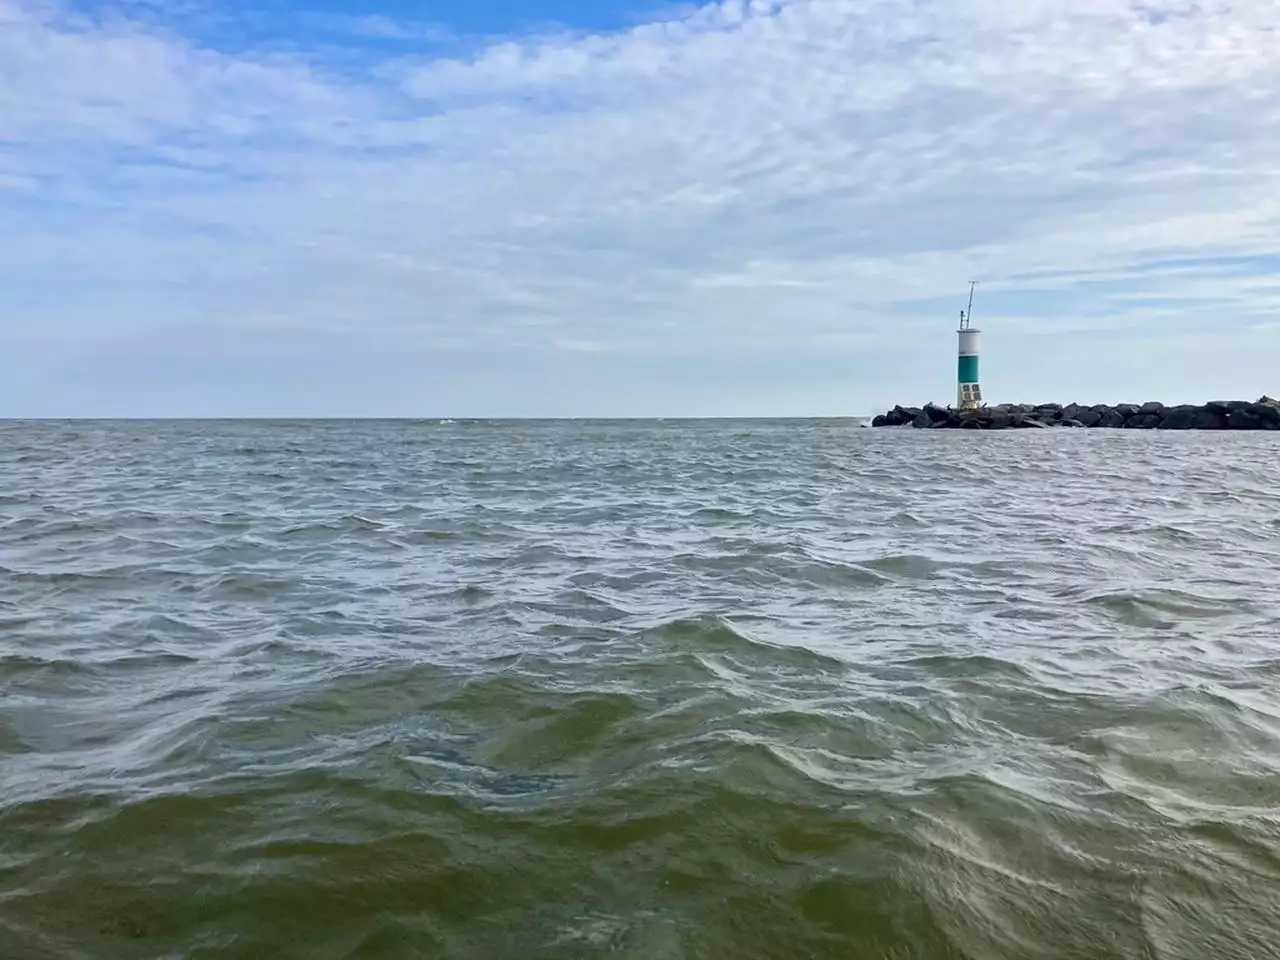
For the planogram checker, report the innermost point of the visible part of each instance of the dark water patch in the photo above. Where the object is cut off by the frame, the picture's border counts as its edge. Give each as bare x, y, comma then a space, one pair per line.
974, 666
358, 524
1173, 535
1164, 609
12, 740
905, 518
67, 581
715, 635
719, 514
637, 580
247, 585
830, 574
19, 667
163, 628
15, 529
328, 530
776, 569
905, 566
578, 605
431, 537
1248, 846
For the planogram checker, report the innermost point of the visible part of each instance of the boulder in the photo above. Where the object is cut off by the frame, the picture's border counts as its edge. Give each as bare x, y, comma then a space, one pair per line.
1225, 407
1088, 418
1268, 415
922, 420
1183, 417
1111, 419
1127, 410
1244, 418
890, 419
900, 415
1154, 408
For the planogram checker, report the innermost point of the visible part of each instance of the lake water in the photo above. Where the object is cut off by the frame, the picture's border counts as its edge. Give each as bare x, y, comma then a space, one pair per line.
703, 690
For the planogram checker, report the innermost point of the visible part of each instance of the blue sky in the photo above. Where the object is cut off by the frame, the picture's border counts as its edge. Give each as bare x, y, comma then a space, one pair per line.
559, 208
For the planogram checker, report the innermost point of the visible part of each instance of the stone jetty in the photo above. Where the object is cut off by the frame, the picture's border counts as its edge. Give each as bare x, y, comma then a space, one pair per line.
1261, 414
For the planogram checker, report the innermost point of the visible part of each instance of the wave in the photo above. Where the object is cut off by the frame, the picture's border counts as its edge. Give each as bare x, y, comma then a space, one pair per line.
651, 690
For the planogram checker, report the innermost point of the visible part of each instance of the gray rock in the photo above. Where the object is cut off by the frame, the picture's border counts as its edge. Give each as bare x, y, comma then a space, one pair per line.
1244, 418
1182, 417
1225, 407
1268, 415
1262, 414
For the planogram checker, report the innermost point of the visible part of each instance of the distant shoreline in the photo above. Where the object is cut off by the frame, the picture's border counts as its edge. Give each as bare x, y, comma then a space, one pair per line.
1261, 414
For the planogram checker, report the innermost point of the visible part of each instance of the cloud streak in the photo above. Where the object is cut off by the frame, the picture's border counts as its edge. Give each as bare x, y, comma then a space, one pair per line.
794, 180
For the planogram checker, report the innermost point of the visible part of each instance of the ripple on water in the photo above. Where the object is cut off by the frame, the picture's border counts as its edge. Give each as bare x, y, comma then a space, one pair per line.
648, 690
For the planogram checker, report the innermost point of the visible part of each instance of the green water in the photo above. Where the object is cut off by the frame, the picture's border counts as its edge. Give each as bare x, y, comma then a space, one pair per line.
637, 690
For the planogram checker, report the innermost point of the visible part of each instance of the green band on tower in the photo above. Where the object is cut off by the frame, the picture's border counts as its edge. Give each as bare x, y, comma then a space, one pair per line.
968, 370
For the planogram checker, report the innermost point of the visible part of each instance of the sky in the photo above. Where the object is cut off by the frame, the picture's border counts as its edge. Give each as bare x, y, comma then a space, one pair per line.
606, 208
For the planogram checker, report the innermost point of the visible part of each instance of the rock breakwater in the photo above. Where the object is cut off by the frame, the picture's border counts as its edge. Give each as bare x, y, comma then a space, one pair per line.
1261, 414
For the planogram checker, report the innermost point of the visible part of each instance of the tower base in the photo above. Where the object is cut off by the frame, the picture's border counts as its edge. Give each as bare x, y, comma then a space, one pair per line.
969, 396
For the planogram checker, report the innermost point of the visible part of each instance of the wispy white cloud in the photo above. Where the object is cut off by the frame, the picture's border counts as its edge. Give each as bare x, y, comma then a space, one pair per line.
382, 27
807, 178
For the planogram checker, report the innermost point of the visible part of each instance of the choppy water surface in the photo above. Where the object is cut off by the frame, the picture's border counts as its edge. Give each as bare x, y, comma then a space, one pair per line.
639, 690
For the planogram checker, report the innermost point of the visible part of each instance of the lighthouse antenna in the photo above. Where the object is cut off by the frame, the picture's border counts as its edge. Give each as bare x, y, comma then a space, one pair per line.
968, 317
